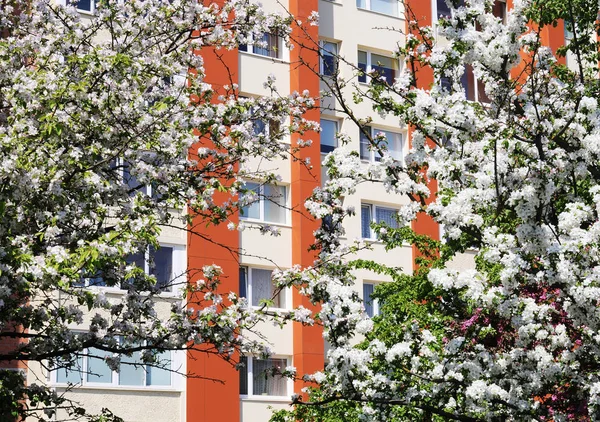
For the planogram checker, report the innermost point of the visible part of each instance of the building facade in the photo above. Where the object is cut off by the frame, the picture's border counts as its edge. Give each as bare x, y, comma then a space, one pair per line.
365, 33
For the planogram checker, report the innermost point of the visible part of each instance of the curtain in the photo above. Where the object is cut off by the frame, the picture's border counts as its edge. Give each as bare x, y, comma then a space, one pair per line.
387, 216
262, 286
264, 381
365, 221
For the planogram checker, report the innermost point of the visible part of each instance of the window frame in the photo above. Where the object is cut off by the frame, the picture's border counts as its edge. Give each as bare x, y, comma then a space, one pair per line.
178, 270
373, 154
329, 148
373, 302
369, 66
373, 219
280, 51
246, 289
368, 7
248, 370
85, 11
261, 204
324, 52
176, 360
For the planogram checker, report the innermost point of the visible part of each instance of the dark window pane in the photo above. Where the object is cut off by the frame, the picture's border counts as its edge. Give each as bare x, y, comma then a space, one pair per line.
243, 282
161, 262
368, 302
363, 76
243, 47
328, 135
244, 375
385, 73
84, 5
442, 8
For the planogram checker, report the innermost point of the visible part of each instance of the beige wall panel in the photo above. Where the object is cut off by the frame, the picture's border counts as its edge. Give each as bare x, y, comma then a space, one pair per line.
258, 410
256, 246
133, 406
281, 340
254, 70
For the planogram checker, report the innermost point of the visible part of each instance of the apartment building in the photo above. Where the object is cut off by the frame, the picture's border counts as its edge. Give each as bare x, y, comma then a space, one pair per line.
360, 31
346, 29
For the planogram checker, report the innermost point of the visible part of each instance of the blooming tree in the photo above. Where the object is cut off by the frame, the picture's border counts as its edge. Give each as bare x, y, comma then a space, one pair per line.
517, 335
110, 132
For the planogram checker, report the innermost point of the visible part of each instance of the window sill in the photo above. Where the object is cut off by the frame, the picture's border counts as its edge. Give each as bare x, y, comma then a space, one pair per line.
264, 223
118, 291
166, 389
282, 399
379, 13
271, 59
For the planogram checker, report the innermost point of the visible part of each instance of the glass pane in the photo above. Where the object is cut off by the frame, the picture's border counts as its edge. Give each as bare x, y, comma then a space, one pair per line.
269, 46
368, 302
162, 375
259, 127
443, 9
365, 221
389, 7
274, 200
361, 3
262, 286
394, 143
264, 382
73, 375
131, 374
387, 216
252, 210
97, 370
243, 286
84, 5
329, 52
365, 151
328, 132
131, 180
244, 375
161, 262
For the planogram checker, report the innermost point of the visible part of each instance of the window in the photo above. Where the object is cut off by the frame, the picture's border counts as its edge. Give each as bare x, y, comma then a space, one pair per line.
257, 285
376, 66
91, 369
269, 205
388, 7
269, 46
370, 213
371, 304
329, 58
86, 5
164, 263
329, 130
499, 10
392, 142
259, 377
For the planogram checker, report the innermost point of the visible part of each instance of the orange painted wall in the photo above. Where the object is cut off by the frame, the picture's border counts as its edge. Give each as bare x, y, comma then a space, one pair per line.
308, 341
208, 400
421, 12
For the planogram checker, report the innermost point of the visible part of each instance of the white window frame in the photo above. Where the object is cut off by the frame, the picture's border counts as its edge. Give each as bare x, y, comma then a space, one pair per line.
369, 65
282, 52
176, 368
373, 154
373, 211
368, 5
178, 271
322, 54
284, 293
335, 139
250, 380
374, 301
85, 11
261, 204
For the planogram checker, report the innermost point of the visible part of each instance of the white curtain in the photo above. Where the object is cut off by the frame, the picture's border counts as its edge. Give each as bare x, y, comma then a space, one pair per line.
262, 286
264, 381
